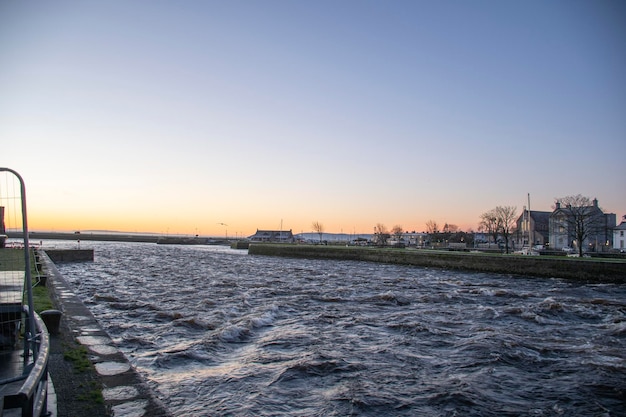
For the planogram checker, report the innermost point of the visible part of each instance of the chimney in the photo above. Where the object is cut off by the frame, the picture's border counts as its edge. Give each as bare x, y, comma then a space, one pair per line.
558, 205
595, 202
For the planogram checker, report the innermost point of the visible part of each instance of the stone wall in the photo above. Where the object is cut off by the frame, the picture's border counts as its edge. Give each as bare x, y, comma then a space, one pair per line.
583, 269
70, 255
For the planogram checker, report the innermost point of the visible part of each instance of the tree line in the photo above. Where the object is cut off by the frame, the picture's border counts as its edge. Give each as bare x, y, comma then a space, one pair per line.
579, 214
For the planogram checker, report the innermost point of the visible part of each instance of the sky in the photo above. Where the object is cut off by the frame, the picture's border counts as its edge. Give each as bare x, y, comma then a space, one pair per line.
183, 117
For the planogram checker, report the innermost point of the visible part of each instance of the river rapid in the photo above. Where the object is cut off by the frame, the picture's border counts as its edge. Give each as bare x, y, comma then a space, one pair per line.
219, 332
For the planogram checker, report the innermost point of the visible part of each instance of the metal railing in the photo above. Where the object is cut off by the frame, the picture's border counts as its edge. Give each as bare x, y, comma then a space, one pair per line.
31, 395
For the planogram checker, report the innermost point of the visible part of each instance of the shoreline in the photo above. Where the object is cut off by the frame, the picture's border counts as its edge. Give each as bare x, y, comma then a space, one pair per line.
587, 270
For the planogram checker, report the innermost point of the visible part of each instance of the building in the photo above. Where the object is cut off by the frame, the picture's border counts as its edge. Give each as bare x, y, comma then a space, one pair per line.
619, 236
532, 228
415, 239
568, 223
272, 236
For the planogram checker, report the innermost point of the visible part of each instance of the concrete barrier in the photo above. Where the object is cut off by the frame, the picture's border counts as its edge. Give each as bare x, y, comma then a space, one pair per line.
70, 255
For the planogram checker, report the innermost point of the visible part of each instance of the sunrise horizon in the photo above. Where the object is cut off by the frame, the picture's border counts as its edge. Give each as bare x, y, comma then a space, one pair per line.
255, 114
242, 228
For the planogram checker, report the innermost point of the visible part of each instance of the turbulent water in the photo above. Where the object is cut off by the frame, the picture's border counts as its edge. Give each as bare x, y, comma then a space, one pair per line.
219, 332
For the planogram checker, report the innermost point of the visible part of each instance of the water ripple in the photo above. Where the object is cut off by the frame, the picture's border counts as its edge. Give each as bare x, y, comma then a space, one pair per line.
218, 332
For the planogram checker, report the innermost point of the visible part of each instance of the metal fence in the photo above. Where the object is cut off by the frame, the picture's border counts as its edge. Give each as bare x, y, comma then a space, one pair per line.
24, 342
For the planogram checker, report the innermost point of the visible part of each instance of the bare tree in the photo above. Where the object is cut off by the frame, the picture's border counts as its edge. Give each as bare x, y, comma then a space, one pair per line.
431, 227
397, 231
580, 217
318, 228
506, 218
489, 222
381, 234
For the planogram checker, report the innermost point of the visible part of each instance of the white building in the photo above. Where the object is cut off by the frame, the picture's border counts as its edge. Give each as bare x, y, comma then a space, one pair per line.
619, 236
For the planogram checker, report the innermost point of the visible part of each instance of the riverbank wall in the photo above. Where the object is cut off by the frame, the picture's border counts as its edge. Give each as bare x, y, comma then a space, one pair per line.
581, 269
103, 237
70, 255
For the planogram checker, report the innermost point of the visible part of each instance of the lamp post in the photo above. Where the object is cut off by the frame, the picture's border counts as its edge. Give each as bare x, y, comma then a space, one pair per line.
226, 229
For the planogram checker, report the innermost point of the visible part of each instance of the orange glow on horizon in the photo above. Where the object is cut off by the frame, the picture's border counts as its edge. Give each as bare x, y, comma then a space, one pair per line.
182, 226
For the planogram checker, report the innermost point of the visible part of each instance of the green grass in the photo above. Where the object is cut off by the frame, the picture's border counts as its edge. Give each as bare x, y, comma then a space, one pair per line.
41, 299
94, 395
78, 356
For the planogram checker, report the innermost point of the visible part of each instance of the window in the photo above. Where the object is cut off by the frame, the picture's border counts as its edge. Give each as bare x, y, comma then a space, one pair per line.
621, 233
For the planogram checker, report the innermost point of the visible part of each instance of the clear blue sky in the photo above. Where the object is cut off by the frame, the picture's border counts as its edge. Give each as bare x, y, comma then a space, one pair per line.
179, 115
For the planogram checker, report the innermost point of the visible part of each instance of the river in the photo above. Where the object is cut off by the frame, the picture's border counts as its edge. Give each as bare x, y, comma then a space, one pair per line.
217, 332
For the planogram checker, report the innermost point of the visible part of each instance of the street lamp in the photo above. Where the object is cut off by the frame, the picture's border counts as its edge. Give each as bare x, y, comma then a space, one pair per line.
226, 230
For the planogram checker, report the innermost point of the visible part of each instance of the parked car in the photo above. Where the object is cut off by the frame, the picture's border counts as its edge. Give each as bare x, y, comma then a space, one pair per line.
526, 251
567, 249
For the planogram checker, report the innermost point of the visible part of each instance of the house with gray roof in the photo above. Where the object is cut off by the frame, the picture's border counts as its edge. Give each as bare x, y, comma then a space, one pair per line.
532, 228
272, 236
597, 225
